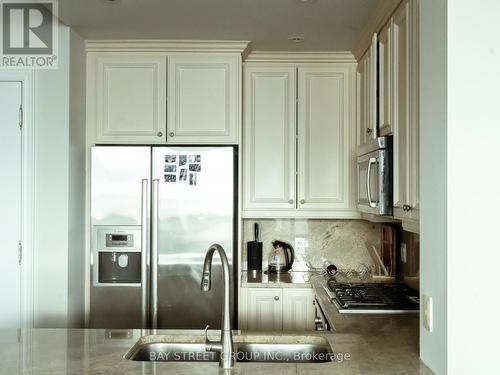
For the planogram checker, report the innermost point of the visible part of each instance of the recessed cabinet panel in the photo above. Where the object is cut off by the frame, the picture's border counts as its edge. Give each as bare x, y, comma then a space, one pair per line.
269, 137
129, 102
324, 137
384, 81
298, 309
203, 97
264, 309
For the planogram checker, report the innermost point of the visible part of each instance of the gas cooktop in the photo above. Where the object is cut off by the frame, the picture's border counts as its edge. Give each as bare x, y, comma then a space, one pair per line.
373, 297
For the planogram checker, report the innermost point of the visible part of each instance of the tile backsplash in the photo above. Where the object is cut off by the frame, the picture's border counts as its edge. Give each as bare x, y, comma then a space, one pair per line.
341, 242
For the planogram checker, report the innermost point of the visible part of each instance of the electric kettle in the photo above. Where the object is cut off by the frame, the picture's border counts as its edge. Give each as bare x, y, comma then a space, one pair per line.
281, 258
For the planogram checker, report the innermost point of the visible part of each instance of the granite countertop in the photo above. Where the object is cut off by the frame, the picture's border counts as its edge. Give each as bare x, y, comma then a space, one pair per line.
88, 351
292, 279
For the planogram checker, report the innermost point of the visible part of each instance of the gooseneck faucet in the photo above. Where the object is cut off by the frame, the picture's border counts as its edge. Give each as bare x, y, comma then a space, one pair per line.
225, 346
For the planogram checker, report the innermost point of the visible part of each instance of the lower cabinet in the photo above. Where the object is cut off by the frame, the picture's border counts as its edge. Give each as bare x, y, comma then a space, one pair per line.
277, 309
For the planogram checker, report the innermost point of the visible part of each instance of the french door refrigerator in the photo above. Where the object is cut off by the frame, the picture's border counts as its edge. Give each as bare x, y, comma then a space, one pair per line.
154, 213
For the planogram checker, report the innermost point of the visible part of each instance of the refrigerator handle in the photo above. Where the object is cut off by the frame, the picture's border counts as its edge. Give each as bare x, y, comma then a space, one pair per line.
154, 255
144, 253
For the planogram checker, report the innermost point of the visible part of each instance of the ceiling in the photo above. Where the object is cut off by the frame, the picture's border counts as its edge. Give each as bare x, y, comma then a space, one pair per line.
326, 25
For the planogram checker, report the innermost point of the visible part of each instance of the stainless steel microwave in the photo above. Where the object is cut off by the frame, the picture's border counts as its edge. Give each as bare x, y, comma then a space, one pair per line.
375, 179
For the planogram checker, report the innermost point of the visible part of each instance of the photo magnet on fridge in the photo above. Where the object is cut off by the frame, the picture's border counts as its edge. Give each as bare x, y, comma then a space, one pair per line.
170, 158
192, 179
194, 158
183, 174
170, 168
195, 167
170, 178
182, 160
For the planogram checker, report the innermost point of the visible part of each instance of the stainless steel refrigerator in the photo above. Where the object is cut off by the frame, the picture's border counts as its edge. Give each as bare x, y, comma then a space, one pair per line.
154, 213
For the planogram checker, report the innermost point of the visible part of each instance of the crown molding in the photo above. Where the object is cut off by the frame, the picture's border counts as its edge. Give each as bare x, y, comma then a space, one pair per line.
300, 57
228, 46
374, 25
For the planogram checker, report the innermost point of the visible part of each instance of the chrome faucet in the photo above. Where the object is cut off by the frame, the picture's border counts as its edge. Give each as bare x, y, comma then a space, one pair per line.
225, 346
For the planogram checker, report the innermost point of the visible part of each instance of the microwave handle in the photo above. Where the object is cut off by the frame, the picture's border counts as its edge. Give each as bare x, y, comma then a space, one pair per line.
371, 161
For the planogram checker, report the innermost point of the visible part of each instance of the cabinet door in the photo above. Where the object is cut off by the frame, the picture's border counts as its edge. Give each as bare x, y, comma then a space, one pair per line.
127, 97
269, 137
204, 94
384, 81
401, 97
405, 112
325, 113
366, 86
264, 309
298, 309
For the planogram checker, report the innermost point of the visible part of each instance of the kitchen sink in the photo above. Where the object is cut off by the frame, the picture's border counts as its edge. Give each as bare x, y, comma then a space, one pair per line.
292, 349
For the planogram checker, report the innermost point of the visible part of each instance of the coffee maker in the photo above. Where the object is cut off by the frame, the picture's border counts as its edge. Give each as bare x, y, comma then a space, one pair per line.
281, 258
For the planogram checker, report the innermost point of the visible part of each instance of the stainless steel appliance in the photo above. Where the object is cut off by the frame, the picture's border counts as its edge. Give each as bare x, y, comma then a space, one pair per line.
154, 212
281, 258
373, 298
375, 179
320, 321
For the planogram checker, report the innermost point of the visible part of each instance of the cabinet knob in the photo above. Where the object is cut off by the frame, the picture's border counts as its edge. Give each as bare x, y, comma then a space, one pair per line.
276, 298
159, 134
302, 201
171, 134
368, 130
291, 201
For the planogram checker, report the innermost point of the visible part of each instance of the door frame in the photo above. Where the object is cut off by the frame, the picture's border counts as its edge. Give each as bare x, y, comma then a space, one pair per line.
27, 79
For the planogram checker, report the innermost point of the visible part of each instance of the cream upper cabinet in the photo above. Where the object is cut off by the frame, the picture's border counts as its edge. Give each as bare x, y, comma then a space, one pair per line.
298, 309
204, 95
269, 136
325, 114
366, 86
385, 80
299, 158
405, 114
264, 309
126, 97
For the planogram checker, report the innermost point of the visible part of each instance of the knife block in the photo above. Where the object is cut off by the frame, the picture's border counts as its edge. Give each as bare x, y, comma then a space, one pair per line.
254, 256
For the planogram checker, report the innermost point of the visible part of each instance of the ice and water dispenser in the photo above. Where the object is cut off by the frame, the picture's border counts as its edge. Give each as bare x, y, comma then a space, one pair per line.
117, 255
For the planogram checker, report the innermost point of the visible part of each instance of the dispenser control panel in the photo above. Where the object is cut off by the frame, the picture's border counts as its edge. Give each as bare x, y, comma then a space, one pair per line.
119, 240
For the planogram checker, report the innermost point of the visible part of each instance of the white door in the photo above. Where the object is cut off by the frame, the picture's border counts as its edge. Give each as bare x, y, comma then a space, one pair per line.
325, 115
298, 309
269, 137
127, 98
10, 203
264, 309
204, 95
401, 100
384, 80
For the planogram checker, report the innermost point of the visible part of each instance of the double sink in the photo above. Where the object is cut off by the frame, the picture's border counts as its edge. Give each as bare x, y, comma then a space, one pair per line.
247, 348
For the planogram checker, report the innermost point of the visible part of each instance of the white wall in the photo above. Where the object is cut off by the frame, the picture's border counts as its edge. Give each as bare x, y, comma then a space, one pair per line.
433, 184
473, 186
59, 188
76, 207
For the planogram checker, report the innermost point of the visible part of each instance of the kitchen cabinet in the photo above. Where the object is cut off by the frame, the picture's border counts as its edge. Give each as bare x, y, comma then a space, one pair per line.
126, 100
269, 137
277, 309
298, 309
385, 66
396, 60
324, 137
203, 98
265, 309
299, 140
366, 86
150, 93
405, 115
